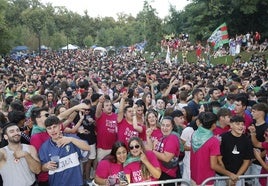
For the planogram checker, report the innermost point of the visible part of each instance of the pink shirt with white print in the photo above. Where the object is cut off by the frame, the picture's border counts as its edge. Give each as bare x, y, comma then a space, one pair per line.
134, 168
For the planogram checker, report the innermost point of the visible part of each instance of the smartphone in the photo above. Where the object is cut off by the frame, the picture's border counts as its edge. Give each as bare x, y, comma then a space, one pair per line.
122, 178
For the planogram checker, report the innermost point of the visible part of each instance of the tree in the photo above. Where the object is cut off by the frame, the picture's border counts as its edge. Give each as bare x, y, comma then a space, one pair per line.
26, 20
150, 26
88, 41
4, 30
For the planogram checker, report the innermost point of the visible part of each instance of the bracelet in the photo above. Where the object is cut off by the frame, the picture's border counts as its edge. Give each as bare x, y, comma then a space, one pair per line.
253, 133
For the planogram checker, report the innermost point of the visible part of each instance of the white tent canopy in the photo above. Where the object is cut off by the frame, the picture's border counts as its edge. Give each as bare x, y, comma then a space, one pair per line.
100, 50
70, 47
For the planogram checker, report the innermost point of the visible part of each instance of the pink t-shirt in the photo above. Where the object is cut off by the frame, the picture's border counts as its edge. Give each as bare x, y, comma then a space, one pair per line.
200, 160
219, 131
37, 140
156, 135
134, 168
126, 131
107, 169
106, 127
169, 144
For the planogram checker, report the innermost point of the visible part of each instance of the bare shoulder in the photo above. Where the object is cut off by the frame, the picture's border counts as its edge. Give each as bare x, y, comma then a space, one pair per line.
33, 152
2, 150
32, 149
2, 154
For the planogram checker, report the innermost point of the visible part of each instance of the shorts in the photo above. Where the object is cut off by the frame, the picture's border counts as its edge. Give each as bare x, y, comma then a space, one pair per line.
92, 153
101, 153
89, 155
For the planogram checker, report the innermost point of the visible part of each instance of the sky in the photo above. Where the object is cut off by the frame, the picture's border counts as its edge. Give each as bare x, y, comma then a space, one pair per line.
110, 8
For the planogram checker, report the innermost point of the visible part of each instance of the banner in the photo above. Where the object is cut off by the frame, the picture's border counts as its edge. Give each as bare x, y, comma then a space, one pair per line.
168, 61
219, 37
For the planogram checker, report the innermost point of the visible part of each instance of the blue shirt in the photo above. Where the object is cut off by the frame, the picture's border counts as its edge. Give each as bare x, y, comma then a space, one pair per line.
69, 171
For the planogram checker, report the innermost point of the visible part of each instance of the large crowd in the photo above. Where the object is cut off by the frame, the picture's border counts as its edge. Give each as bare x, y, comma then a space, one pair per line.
71, 117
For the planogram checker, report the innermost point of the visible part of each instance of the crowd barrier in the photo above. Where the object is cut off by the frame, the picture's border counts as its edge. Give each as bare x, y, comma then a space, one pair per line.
222, 178
160, 183
254, 178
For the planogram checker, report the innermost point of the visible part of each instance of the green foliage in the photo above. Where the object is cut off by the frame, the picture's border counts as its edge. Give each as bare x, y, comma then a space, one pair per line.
26, 20
58, 40
88, 41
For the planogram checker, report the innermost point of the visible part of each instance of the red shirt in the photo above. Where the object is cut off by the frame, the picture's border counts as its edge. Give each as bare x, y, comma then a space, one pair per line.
106, 127
219, 131
126, 131
37, 140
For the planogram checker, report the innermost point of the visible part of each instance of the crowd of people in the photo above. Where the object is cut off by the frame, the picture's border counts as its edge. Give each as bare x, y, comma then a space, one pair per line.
68, 118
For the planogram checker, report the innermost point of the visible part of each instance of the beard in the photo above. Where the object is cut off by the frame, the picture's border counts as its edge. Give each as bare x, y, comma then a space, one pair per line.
14, 139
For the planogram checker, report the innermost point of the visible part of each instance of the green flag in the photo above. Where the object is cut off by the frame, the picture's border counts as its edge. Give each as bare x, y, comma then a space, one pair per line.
219, 36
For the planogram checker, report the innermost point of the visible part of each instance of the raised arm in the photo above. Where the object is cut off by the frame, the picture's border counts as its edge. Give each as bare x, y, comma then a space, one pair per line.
120, 115
69, 120
65, 114
77, 125
94, 85
172, 82
99, 106
135, 122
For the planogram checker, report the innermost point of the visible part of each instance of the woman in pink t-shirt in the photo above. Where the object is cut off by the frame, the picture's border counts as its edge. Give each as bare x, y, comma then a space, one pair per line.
108, 169
153, 131
141, 165
167, 150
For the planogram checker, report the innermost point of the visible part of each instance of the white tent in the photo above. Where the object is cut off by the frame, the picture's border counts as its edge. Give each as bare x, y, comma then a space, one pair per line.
70, 47
43, 47
100, 50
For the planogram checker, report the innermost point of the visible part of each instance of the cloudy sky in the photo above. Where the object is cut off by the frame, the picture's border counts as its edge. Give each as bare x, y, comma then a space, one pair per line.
103, 8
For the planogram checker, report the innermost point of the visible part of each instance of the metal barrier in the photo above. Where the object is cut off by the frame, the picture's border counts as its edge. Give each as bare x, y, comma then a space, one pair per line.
221, 178
175, 181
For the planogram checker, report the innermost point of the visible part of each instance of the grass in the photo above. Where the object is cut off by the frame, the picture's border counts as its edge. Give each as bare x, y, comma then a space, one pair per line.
228, 60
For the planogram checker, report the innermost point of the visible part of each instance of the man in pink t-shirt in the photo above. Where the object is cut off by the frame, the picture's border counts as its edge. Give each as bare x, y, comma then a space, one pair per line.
106, 127
127, 122
205, 149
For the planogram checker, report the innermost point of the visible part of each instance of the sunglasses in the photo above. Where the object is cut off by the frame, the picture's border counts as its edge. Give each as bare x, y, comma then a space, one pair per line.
46, 115
135, 146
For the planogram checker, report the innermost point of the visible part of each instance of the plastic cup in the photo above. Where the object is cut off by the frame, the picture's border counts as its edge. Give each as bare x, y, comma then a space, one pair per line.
55, 159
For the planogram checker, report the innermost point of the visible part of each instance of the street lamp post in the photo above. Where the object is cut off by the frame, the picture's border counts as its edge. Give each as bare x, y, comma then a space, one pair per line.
39, 40
67, 45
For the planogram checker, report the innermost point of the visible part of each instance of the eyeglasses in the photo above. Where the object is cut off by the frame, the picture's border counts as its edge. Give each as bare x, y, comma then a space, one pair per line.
46, 115
135, 146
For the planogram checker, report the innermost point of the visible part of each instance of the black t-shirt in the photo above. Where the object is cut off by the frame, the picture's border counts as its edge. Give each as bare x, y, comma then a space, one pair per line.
260, 129
234, 150
88, 124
